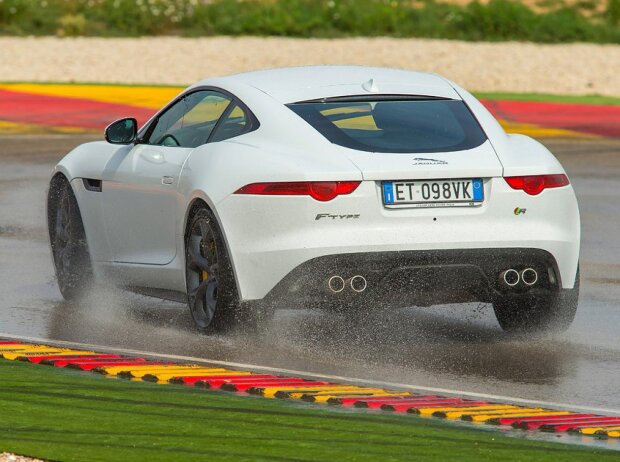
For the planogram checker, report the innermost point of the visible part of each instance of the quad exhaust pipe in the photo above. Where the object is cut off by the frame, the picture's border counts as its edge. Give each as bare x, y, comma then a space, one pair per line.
529, 276
337, 284
358, 284
510, 278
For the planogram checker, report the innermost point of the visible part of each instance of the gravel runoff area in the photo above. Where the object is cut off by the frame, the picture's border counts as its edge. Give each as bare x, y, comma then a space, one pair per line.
6, 457
570, 69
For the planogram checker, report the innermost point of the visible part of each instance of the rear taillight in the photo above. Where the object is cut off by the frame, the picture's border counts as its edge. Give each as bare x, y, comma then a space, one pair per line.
320, 190
535, 184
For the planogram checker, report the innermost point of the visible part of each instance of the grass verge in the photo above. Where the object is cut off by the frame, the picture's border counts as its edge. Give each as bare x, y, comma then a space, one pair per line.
495, 20
66, 415
540, 97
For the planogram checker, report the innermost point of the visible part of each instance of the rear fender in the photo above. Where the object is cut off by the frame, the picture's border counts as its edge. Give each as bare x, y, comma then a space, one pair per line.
519, 154
525, 156
213, 172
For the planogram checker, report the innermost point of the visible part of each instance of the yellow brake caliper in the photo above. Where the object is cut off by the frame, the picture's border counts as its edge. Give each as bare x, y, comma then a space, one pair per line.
205, 274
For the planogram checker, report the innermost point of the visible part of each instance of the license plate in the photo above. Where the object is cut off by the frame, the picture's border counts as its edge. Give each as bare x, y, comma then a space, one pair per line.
436, 193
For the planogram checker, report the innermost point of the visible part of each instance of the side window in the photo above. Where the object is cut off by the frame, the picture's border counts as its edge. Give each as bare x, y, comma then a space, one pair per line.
190, 121
168, 122
234, 124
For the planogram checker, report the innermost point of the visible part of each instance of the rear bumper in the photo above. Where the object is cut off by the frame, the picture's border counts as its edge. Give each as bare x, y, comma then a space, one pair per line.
420, 278
270, 236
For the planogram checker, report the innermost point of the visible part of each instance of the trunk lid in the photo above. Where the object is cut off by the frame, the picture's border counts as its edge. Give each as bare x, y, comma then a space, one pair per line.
479, 162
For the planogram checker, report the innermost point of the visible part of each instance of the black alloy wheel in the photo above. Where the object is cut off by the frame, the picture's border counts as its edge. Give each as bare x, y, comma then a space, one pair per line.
202, 271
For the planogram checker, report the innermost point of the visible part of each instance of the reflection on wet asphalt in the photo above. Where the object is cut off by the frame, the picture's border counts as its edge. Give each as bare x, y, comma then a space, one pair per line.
458, 347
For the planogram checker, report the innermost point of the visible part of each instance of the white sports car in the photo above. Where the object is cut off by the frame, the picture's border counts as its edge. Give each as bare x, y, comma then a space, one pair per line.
328, 186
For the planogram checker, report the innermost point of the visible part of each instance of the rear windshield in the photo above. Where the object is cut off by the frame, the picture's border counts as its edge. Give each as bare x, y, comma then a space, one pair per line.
380, 125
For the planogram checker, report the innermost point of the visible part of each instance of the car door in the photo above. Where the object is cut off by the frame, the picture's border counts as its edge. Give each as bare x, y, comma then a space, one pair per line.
140, 189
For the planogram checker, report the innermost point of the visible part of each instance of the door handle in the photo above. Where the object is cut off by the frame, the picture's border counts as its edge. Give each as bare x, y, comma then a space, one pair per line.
167, 180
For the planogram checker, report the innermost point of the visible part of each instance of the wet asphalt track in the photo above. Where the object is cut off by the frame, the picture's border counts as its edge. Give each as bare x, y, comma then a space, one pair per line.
455, 347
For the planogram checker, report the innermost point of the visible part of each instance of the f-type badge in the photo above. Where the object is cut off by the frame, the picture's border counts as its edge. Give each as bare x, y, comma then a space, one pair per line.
425, 161
331, 216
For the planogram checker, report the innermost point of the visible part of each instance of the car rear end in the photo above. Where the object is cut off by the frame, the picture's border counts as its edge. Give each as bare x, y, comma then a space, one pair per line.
434, 215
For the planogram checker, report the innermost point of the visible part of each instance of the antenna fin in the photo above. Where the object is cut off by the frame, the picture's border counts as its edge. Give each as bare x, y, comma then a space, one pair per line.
370, 86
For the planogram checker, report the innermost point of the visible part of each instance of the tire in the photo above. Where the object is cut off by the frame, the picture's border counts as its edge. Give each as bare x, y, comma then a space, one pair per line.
212, 294
539, 314
70, 252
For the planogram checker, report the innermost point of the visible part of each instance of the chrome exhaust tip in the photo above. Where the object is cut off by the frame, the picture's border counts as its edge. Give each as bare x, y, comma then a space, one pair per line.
336, 284
510, 277
358, 283
529, 276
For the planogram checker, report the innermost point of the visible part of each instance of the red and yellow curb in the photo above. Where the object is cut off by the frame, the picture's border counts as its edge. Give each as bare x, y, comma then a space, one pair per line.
315, 391
87, 108
588, 119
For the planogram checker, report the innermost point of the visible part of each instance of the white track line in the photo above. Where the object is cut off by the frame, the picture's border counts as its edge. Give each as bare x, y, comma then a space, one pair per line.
333, 378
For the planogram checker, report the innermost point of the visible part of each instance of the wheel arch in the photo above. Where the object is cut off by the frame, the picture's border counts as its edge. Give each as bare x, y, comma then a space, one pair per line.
198, 200
57, 177
61, 174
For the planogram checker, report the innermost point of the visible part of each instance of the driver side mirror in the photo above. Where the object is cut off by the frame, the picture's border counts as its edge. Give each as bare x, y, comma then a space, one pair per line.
123, 131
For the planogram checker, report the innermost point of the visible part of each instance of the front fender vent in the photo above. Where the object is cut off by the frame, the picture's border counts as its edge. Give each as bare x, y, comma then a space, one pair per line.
92, 185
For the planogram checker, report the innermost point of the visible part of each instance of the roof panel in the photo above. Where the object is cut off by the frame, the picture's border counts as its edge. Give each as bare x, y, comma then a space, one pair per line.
294, 84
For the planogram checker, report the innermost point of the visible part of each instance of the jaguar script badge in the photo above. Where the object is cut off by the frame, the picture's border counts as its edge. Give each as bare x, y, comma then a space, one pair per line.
425, 161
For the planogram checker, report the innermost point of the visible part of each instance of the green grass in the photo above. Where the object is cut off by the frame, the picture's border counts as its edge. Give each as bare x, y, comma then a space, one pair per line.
64, 415
577, 99
495, 20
